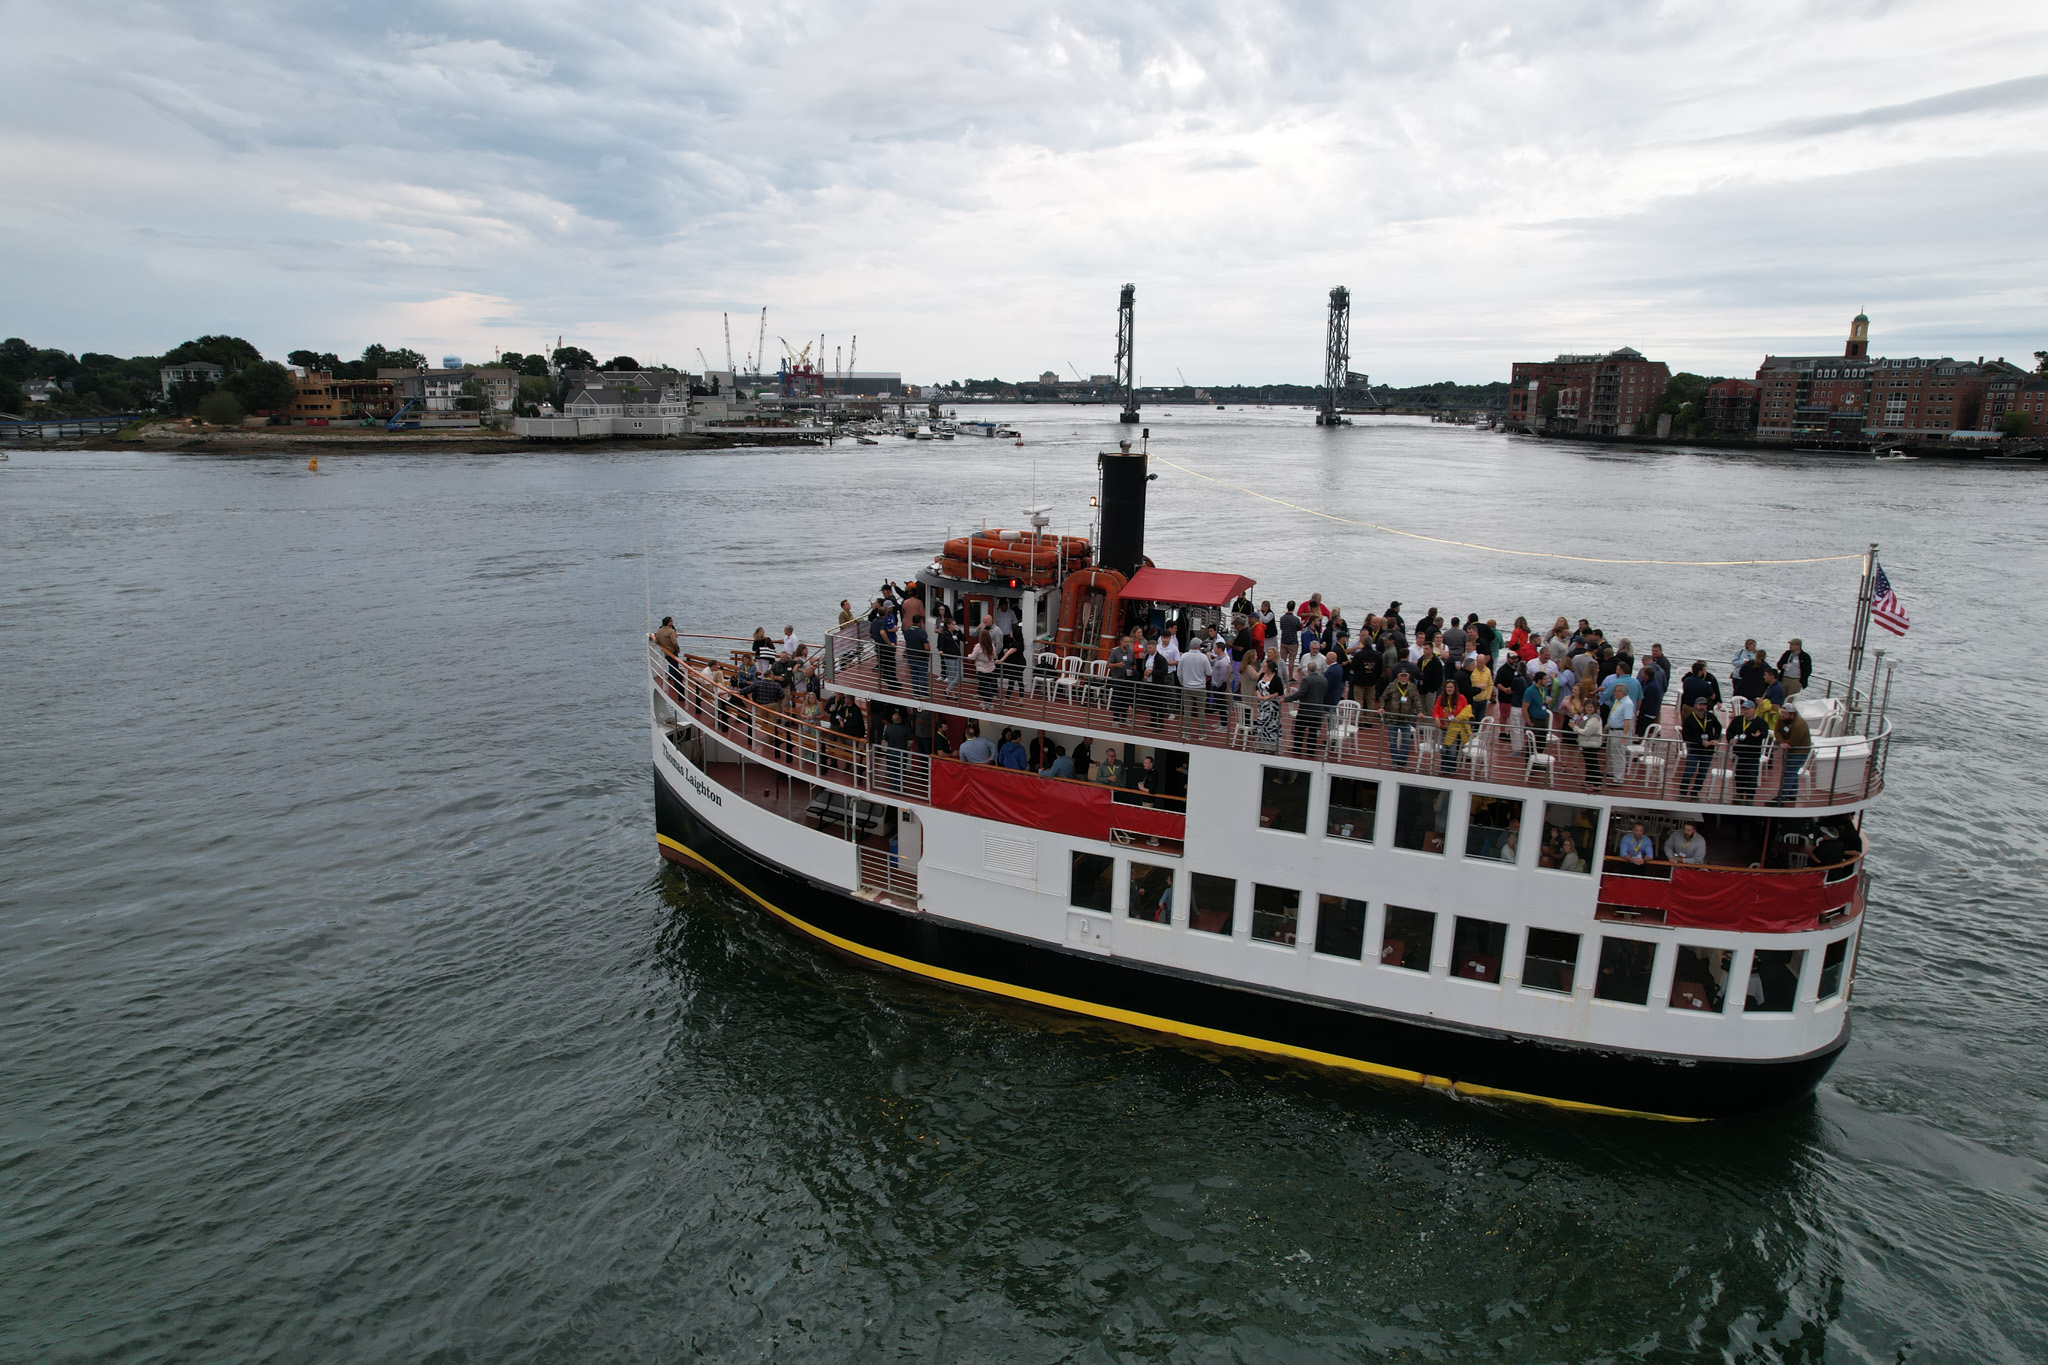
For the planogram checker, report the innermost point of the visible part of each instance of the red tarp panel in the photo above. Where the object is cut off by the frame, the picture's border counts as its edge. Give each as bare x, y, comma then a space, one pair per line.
1730, 898
1081, 809
1184, 587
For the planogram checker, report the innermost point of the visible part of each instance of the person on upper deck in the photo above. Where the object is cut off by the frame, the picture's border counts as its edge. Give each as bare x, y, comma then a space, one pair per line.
761, 645
1796, 739
976, 748
1749, 678
1455, 639
1795, 666
1702, 732
665, 637
845, 611
1193, 671
1309, 690
984, 657
1699, 683
1453, 715
789, 647
1685, 845
1746, 737
1290, 638
1650, 709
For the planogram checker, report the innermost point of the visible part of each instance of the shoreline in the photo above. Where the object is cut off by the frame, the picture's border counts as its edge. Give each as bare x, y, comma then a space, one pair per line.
362, 441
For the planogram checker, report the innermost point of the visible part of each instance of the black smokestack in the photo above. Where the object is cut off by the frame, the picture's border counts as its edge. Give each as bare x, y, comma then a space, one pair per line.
1123, 509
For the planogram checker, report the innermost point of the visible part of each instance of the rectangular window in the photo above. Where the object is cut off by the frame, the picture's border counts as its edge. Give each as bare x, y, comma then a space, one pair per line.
1495, 830
1354, 806
1831, 964
1212, 906
1151, 893
1773, 980
1407, 939
1420, 819
1476, 946
1551, 961
1283, 800
1625, 966
1091, 883
1274, 910
1699, 980
1340, 927
1568, 837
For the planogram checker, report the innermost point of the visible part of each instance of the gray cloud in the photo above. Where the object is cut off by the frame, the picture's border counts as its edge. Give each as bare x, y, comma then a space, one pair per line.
966, 185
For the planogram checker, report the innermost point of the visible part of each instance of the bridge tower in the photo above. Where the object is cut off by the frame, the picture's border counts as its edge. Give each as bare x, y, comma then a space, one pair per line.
1125, 325
1336, 357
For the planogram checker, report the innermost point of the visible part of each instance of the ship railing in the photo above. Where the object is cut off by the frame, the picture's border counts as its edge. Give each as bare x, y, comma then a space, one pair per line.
881, 870
1838, 769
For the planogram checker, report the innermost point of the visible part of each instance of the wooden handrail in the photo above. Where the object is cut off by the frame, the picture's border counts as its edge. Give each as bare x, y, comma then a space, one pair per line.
1614, 861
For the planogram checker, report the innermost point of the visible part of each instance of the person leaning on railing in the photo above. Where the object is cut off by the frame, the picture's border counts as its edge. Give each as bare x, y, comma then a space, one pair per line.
1701, 730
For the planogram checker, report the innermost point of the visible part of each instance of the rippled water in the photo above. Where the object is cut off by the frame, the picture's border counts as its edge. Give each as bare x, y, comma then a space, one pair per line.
347, 1013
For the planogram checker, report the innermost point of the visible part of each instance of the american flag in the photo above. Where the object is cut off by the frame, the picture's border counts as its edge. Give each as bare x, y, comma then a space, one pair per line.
1884, 605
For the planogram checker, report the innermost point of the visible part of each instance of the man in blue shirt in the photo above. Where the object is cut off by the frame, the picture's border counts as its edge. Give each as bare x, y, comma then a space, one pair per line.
1636, 845
1651, 707
977, 749
1062, 766
1012, 754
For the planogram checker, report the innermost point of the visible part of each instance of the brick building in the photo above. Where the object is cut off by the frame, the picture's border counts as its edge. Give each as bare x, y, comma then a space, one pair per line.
1923, 398
1600, 395
1731, 406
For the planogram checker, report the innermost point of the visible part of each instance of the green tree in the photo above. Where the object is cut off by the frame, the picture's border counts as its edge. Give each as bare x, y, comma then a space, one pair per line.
2042, 358
326, 361
12, 399
265, 386
574, 358
221, 409
376, 357
2015, 423
230, 353
622, 362
534, 389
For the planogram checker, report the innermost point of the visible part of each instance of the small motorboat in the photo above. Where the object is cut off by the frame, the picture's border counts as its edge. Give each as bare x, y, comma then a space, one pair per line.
867, 440
1896, 455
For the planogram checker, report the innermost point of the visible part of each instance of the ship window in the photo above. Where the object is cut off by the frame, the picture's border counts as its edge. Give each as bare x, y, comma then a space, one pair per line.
1550, 961
1274, 910
1151, 892
1407, 939
1699, 981
1568, 837
1340, 927
1625, 965
1773, 980
1354, 805
1090, 887
1283, 800
1831, 963
1476, 946
1212, 907
1495, 830
1420, 819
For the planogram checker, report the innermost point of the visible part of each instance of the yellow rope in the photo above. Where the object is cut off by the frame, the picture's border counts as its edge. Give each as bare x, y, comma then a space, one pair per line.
1496, 549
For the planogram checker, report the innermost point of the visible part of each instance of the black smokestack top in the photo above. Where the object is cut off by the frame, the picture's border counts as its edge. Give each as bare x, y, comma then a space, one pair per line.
1124, 476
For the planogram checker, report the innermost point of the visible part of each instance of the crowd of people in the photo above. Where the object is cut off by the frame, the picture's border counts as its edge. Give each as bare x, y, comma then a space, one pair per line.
1567, 688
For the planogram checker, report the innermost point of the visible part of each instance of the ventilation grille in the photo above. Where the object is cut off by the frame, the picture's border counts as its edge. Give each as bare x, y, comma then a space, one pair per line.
1011, 857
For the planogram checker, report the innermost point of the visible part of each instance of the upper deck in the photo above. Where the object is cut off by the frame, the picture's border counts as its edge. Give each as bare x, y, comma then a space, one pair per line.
1843, 770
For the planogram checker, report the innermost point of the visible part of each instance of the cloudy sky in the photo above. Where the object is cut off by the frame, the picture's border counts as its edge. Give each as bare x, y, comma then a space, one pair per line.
965, 186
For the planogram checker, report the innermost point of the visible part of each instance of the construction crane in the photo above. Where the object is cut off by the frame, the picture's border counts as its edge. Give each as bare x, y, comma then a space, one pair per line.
852, 356
1336, 357
1126, 327
1183, 377
1077, 374
761, 346
705, 359
728, 341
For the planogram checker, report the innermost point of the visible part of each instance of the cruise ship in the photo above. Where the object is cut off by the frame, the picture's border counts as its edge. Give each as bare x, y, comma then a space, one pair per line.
1380, 899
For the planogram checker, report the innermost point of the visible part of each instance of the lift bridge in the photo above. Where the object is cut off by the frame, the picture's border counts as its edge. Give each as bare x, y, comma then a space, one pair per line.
1342, 385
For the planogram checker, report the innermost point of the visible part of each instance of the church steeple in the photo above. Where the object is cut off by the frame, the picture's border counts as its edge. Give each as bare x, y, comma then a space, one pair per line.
1859, 339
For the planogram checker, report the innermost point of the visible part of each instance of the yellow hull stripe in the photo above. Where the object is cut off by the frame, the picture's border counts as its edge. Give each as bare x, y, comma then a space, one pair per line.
1158, 1023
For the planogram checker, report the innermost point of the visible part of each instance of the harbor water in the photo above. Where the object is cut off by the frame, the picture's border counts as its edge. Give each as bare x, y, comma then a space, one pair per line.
347, 1012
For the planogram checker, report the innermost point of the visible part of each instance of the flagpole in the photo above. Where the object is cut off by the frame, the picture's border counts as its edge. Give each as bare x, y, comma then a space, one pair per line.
1861, 632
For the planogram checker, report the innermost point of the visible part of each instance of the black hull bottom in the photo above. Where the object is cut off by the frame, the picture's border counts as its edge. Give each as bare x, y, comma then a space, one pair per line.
1464, 1061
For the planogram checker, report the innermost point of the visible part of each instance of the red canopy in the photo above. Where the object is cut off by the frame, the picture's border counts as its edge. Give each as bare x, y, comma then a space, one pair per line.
1184, 587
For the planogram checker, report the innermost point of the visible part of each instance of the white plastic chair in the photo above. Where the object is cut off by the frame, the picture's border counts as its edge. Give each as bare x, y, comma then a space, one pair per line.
1095, 682
1478, 755
1241, 732
1068, 680
1343, 727
1540, 763
1644, 754
1429, 748
1045, 673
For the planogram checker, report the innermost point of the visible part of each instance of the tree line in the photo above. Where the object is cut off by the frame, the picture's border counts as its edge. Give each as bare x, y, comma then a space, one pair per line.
95, 384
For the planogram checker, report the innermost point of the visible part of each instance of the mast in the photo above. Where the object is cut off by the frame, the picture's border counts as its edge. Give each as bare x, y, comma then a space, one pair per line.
1859, 635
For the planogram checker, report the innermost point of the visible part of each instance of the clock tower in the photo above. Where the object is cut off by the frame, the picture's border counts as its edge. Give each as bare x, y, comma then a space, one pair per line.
1859, 339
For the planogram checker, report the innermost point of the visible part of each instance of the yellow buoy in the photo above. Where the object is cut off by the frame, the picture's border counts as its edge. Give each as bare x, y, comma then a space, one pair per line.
314, 464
